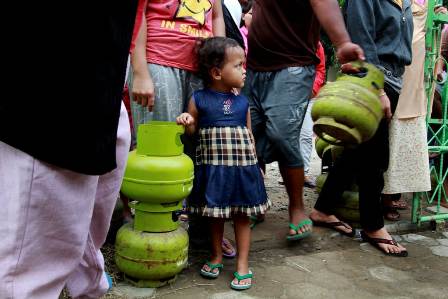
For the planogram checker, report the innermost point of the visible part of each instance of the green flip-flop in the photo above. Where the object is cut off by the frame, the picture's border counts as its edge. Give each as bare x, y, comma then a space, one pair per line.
210, 273
299, 236
240, 287
254, 220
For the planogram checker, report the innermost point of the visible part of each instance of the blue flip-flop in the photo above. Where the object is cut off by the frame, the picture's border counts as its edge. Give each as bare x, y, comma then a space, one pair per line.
109, 280
240, 287
296, 228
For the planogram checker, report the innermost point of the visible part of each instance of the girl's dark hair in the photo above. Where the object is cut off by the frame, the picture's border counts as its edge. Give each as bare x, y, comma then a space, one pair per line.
212, 53
246, 5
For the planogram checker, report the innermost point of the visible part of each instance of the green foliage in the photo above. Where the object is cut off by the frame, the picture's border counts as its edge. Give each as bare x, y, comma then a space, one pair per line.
330, 55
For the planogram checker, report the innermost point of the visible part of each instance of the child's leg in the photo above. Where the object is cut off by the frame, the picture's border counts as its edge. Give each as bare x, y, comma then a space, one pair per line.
217, 231
242, 236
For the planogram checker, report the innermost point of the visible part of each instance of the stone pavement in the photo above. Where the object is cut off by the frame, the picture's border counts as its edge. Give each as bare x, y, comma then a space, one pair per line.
326, 265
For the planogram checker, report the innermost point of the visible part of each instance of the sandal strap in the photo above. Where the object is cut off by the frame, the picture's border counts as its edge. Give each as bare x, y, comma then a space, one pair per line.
301, 224
338, 223
384, 241
304, 222
214, 266
241, 277
379, 240
293, 227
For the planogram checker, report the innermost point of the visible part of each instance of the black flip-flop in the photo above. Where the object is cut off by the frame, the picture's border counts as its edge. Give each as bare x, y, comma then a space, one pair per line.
376, 241
335, 224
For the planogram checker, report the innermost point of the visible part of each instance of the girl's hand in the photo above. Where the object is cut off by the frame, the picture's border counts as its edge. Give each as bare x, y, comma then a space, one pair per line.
185, 119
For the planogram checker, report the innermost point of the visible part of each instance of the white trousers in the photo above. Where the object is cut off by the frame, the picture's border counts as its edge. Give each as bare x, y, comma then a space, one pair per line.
306, 138
53, 222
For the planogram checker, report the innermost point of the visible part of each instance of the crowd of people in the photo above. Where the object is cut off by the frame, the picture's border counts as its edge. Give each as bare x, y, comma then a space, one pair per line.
241, 76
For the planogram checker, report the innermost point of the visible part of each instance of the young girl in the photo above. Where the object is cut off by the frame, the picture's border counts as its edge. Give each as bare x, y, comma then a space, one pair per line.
228, 182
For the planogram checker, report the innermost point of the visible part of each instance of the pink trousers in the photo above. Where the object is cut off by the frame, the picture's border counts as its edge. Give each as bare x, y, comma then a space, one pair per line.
53, 222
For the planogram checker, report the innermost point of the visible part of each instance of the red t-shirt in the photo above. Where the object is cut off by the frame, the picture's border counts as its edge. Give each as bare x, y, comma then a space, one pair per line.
319, 80
173, 28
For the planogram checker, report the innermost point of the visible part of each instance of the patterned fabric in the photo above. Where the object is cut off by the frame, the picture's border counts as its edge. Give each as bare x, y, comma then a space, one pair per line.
227, 179
227, 212
408, 163
228, 146
173, 88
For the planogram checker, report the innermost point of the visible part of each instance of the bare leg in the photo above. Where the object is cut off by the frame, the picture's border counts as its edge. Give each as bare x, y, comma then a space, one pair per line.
293, 178
242, 236
217, 231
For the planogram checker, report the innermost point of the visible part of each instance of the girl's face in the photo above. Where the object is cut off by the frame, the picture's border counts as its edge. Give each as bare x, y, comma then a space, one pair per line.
233, 72
248, 18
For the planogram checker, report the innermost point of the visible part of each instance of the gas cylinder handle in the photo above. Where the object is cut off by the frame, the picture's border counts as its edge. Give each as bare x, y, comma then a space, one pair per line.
177, 137
331, 140
368, 75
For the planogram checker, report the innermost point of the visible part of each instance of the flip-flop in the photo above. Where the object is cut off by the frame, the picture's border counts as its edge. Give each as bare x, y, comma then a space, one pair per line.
226, 243
109, 280
210, 273
296, 228
254, 220
376, 241
240, 287
335, 224
309, 183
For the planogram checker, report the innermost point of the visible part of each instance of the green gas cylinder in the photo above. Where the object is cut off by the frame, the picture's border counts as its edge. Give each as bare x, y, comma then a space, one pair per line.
323, 146
348, 111
158, 176
151, 259
347, 208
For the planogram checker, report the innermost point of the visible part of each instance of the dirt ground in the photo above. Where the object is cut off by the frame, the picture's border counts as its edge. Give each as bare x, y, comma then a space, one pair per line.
326, 265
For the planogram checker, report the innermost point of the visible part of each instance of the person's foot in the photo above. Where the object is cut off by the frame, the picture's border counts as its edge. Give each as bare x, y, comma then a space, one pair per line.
383, 234
242, 270
213, 261
227, 248
391, 214
309, 182
389, 202
298, 218
319, 217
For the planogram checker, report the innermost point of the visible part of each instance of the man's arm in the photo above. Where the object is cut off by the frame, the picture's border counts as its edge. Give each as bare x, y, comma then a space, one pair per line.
218, 27
329, 15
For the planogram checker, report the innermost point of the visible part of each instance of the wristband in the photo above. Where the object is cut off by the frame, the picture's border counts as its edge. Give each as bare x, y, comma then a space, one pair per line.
383, 94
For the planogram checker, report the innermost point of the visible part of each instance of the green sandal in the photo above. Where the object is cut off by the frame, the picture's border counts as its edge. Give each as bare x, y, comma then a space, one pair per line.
254, 220
210, 273
240, 287
299, 236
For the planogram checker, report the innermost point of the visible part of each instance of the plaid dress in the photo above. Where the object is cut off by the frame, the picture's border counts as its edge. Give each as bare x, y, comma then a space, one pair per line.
227, 176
